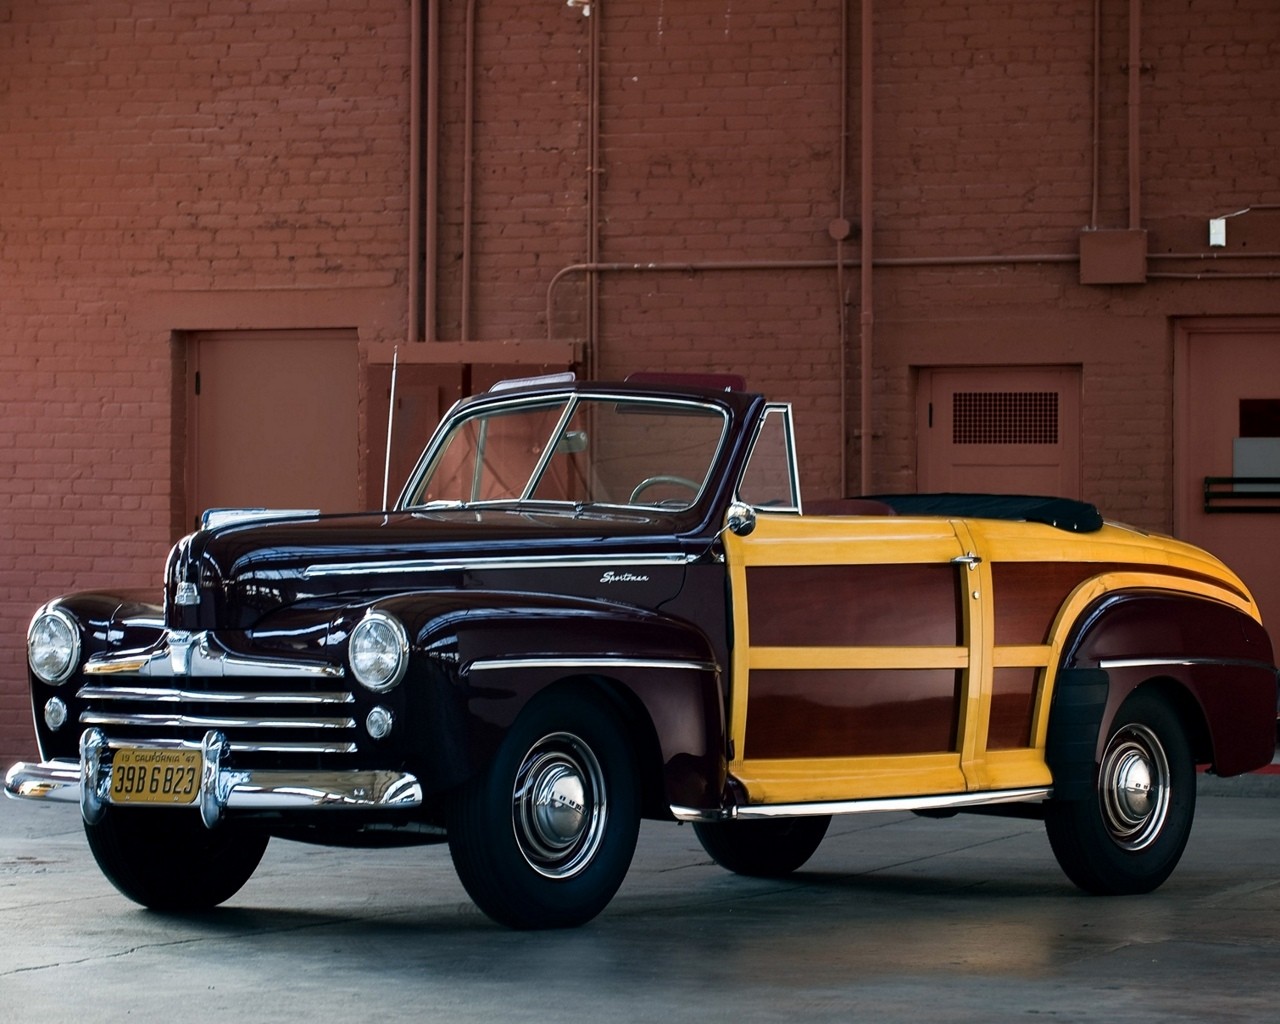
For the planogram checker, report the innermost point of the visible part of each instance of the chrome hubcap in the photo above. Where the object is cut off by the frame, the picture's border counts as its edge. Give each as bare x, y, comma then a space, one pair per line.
558, 806
1134, 787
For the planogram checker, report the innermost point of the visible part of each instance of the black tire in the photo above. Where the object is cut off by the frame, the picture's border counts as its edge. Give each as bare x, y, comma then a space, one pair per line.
1129, 836
544, 836
167, 860
764, 848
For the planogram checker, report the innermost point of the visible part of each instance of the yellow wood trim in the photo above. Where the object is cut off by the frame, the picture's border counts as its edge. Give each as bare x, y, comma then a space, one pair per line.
976, 683
826, 540
1028, 656
858, 657
1002, 541
1013, 769
740, 668
811, 779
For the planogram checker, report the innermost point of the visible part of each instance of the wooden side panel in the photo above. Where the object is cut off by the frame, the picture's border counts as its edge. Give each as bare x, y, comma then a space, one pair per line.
1013, 697
852, 713
854, 605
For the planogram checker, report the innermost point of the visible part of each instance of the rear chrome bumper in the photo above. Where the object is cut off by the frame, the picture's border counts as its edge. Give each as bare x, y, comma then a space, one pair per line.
88, 783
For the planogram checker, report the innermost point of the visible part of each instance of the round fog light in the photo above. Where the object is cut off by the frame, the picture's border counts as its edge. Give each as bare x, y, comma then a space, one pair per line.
378, 722
55, 713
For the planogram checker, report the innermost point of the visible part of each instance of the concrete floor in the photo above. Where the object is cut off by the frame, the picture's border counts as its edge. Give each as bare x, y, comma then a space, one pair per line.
895, 919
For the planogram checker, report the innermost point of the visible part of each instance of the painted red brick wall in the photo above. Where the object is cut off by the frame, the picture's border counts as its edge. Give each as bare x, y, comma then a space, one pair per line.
214, 165
155, 155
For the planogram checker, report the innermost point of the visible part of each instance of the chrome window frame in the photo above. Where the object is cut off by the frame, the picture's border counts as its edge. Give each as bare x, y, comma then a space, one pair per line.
572, 400
793, 470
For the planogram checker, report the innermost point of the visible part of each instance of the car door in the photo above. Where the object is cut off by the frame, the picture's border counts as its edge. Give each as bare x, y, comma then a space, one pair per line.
859, 654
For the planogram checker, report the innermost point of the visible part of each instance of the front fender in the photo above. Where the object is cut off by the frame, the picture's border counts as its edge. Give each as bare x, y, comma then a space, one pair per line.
478, 659
1216, 660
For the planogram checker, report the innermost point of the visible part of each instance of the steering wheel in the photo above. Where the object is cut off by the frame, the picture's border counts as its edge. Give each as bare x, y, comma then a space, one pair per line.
663, 478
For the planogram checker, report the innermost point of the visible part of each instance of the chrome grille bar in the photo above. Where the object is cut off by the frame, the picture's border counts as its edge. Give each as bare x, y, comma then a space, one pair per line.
264, 747
181, 721
166, 695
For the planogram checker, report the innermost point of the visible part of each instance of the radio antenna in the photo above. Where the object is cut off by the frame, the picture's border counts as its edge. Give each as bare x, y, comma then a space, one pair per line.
391, 416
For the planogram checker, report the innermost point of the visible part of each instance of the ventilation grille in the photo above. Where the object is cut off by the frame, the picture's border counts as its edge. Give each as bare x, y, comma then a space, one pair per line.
1004, 417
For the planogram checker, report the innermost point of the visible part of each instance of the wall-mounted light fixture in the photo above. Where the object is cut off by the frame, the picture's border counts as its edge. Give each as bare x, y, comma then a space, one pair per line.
585, 5
1218, 225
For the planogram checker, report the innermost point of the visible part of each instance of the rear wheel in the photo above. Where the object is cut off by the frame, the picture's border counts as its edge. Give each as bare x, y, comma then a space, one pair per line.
544, 837
765, 848
1129, 836
168, 860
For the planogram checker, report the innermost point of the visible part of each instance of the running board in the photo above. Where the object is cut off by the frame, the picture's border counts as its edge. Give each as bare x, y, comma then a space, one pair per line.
940, 802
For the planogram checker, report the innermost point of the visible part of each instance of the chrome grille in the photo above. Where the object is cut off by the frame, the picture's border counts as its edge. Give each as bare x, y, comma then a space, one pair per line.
262, 721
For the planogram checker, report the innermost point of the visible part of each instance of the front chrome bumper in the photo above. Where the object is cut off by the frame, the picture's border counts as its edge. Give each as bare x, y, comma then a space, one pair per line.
88, 782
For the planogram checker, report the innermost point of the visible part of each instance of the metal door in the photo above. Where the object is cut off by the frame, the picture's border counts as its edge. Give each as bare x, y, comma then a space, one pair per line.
272, 420
1227, 446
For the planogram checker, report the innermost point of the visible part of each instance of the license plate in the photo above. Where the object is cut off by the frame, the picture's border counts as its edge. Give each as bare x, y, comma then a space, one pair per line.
143, 775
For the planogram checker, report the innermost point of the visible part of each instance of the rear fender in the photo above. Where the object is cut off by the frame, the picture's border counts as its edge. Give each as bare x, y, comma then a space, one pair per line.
1214, 661
479, 658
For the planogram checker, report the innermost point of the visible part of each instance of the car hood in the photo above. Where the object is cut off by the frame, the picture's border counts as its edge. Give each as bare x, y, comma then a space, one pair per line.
232, 575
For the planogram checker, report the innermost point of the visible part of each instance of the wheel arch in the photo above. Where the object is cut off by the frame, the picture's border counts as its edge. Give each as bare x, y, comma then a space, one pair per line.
1209, 659
479, 659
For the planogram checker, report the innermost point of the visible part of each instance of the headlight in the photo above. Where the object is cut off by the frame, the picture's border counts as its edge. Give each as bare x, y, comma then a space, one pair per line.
378, 651
53, 645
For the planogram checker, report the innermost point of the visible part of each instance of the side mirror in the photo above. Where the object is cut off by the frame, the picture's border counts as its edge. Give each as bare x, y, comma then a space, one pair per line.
742, 518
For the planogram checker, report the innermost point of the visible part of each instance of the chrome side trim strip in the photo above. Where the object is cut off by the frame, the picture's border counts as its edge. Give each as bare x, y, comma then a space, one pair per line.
539, 562
943, 801
1110, 663
167, 695
490, 664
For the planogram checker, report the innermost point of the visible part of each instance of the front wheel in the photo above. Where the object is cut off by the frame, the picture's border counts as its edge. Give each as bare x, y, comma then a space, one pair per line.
1129, 836
167, 860
544, 837
765, 848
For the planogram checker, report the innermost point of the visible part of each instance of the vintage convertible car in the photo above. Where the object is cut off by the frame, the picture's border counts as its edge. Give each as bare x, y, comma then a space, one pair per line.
596, 603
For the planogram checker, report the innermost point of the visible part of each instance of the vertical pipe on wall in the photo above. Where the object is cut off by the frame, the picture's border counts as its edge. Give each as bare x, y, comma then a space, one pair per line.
430, 270
867, 314
593, 196
468, 166
841, 231
1135, 111
412, 316
1097, 111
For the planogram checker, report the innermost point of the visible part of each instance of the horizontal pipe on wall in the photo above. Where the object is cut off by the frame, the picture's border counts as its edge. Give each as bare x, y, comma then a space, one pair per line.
1209, 275
714, 266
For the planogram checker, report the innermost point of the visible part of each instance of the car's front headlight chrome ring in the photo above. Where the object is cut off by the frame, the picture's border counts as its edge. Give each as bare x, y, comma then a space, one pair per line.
378, 651
53, 645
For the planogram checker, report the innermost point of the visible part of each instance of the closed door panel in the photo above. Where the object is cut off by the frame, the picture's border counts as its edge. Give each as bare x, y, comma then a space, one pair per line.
852, 661
1227, 433
272, 420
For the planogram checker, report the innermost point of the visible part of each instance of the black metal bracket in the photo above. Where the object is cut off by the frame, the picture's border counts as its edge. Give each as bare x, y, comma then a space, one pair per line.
1242, 494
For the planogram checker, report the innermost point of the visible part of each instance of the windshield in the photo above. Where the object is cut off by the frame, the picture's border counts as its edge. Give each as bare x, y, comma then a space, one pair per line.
653, 453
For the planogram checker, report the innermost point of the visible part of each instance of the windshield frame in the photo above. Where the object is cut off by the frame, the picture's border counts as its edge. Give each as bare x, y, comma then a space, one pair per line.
491, 404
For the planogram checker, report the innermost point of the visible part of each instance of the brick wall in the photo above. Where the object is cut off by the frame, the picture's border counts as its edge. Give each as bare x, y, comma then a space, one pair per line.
216, 164
153, 152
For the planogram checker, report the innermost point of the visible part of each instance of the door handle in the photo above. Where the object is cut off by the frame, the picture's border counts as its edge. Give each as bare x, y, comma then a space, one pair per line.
969, 559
